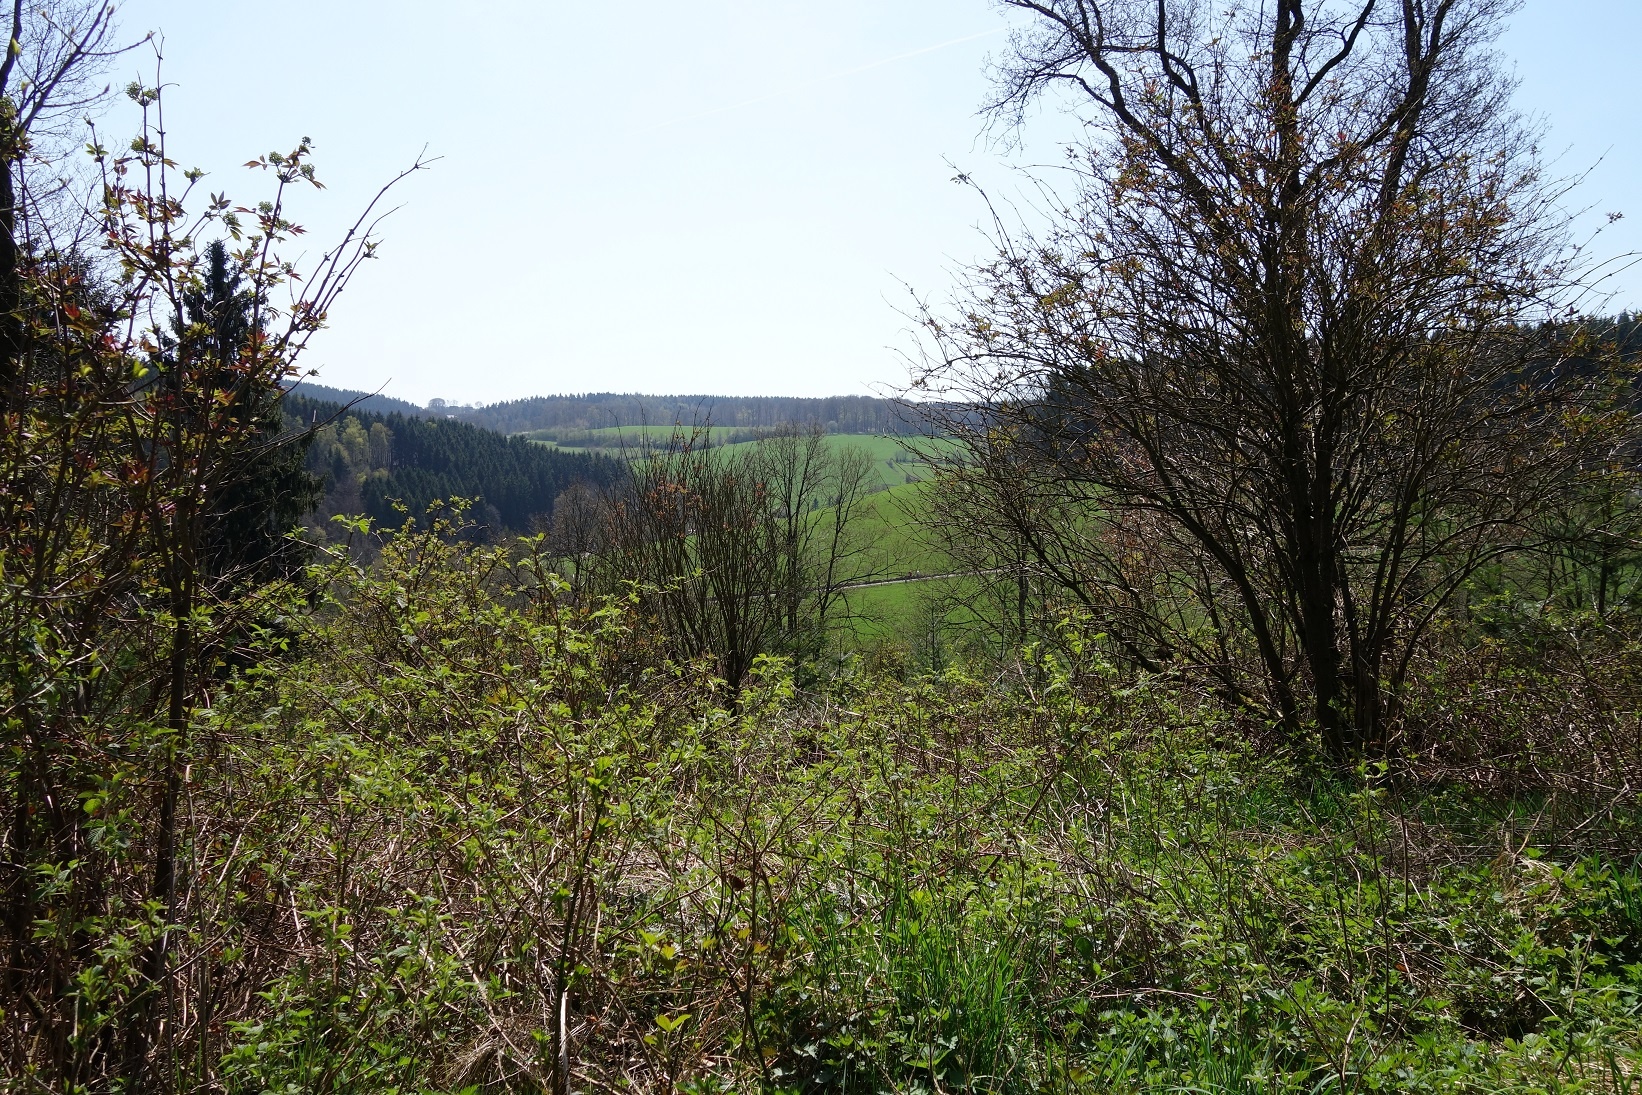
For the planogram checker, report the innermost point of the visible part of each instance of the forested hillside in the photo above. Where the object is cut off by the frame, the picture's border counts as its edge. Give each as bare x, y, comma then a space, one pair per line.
371, 463
835, 414
371, 402
603, 410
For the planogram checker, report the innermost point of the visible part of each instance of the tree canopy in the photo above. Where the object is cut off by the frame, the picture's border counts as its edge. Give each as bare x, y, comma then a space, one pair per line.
1288, 321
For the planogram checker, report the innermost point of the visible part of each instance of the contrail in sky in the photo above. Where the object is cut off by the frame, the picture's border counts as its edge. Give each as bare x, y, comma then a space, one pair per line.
824, 79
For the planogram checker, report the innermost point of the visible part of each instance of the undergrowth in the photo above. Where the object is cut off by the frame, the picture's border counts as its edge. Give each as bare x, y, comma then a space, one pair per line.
457, 838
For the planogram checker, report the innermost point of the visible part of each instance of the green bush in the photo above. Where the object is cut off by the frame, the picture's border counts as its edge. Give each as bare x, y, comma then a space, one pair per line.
459, 836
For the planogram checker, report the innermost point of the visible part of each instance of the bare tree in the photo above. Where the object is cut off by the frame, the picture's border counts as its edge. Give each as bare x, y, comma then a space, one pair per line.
576, 535
740, 551
52, 73
1038, 543
1290, 316
817, 496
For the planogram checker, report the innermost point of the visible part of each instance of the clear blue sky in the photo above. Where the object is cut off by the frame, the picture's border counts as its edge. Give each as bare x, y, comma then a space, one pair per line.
719, 196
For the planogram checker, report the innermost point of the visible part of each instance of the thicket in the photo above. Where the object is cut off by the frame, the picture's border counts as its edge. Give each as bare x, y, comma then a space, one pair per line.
144, 482
450, 834
733, 553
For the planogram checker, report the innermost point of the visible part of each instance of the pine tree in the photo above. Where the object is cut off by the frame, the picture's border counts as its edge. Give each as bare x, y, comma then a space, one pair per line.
248, 535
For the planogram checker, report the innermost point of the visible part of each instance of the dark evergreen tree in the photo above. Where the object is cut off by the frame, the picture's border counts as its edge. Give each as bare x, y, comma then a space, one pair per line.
248, 534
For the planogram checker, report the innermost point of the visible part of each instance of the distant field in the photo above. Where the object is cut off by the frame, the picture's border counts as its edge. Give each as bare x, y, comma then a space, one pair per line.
915, 601
613, 438
895, 463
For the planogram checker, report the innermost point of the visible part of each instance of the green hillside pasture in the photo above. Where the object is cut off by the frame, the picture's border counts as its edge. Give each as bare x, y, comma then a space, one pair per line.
919, 606
891, 520
895, 463
925, 619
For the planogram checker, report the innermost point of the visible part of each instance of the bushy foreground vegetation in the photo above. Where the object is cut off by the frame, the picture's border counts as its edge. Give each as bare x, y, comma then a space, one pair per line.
451, 835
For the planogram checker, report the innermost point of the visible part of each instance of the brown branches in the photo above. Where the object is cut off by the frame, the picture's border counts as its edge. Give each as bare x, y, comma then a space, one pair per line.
142, 423
735, 552
1291, 314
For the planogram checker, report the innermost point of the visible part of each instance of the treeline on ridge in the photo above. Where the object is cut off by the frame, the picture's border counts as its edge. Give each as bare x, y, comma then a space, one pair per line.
374, 402
596, 410
603, 410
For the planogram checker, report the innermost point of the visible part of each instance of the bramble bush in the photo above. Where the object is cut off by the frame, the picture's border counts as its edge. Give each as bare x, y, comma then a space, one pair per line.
459, 836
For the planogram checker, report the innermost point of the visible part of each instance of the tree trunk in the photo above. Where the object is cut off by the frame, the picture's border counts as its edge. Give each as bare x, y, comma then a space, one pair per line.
140, 1033
11, 296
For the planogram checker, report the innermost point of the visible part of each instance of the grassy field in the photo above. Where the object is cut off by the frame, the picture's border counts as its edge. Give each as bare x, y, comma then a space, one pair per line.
895, 463
914, 599
919, 604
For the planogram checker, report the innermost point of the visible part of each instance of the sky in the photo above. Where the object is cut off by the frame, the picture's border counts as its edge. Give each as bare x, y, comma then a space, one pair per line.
732, 197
